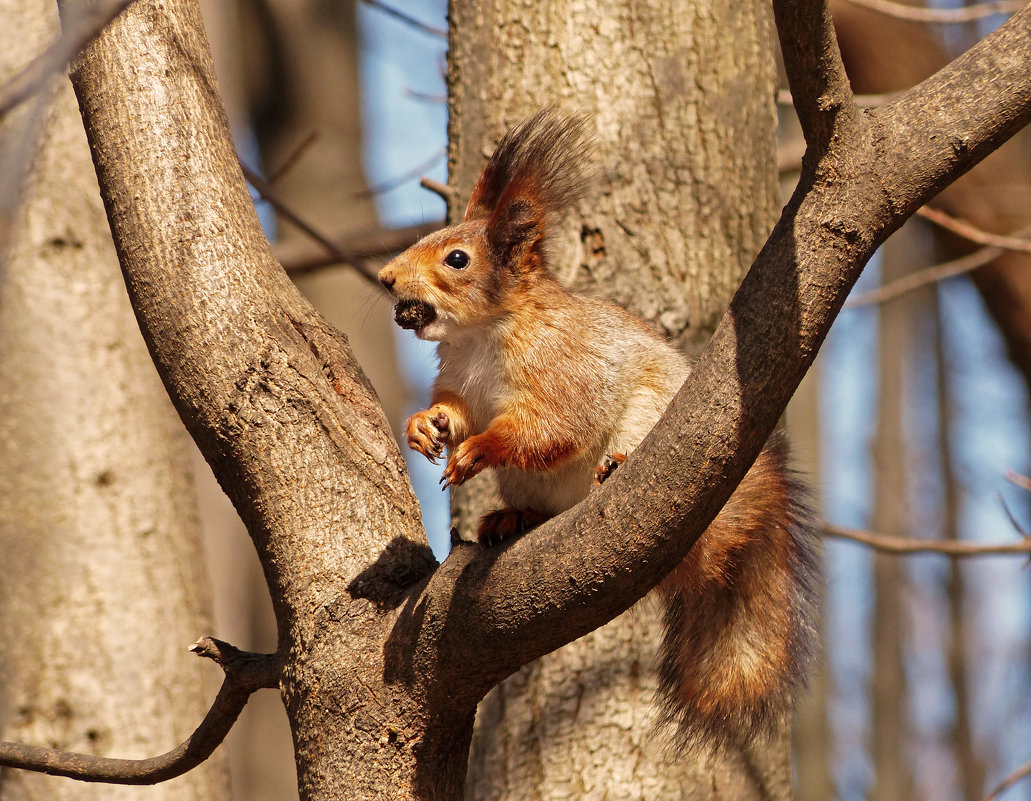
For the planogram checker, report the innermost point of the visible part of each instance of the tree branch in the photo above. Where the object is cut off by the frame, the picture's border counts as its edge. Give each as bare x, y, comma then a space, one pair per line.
820, 88
332, 252
1019, 774
971, 232
269, 391
909, 545
941, 16
245, 673
928, 275
302, 256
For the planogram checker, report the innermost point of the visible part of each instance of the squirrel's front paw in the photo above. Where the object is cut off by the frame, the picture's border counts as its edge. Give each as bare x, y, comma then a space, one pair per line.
427, 432
466, 461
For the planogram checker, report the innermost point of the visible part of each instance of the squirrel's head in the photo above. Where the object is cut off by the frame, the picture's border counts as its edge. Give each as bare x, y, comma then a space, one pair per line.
467, 275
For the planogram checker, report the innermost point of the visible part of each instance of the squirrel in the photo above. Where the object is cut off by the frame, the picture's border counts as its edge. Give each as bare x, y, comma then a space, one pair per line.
551, 388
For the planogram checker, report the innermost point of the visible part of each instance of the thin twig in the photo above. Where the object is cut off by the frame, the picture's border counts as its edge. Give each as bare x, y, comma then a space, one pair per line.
937, 272
338, 256
928, 275
1013, 520
405, 177
444, 191
1020, 773
940, 16
907, 545
406, 18
971, 232
302, 256
245, 673
60, 52
291, 160
1021, 481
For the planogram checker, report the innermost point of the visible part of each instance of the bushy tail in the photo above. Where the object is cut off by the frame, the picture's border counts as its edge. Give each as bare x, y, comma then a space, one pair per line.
739, 613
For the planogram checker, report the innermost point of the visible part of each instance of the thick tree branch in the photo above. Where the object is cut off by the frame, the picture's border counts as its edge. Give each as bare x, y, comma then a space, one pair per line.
820, 89
606, 553
245, 673
269, 391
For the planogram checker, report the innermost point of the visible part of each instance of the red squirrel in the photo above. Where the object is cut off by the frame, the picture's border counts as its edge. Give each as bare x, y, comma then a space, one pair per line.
550, 389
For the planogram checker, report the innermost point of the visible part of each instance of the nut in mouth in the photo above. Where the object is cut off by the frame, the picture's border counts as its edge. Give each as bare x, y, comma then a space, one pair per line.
414, 314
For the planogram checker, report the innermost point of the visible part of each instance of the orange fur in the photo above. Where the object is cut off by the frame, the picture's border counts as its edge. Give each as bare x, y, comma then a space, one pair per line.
541, 384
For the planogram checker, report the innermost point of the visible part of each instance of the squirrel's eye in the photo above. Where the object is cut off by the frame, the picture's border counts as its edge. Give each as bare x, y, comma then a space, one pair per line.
458, 259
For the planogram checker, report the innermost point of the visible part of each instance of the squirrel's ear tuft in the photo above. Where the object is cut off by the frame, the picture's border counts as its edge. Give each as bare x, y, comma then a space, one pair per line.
544, 160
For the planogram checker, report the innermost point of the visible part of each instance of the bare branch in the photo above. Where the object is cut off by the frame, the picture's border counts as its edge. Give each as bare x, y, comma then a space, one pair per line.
908, 545
971, 232
405, 177
57, 56
939, 272
443, 190
1019, 774
819, 87
338, 256
940, 16
245, 673
407, 19
292, 159
1021, 481
928, 275
303, 256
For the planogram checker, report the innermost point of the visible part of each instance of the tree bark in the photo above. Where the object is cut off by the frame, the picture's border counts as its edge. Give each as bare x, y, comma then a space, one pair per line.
103, 583
684, 196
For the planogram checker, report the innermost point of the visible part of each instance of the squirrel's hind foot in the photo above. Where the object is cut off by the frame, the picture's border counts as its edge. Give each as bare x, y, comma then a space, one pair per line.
504, 524
608, 467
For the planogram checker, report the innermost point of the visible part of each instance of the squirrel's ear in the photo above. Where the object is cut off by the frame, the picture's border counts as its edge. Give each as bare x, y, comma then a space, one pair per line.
517, 228
486, 192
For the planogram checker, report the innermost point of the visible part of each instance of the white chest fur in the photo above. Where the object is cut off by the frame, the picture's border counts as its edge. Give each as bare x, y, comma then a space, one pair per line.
475, 370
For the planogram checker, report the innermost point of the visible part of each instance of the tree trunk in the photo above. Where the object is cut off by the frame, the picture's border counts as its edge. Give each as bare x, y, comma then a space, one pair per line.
890, 729
103, 585
685, 195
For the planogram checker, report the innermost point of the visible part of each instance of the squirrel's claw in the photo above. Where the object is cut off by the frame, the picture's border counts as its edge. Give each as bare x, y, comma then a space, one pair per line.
465, 462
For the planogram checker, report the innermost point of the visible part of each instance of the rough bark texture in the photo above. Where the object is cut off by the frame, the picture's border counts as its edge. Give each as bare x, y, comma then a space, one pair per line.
290, 426
103, 585
684, 196
289, 72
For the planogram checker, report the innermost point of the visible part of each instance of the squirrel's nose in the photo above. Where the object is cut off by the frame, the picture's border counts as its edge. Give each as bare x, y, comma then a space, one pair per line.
387, 277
